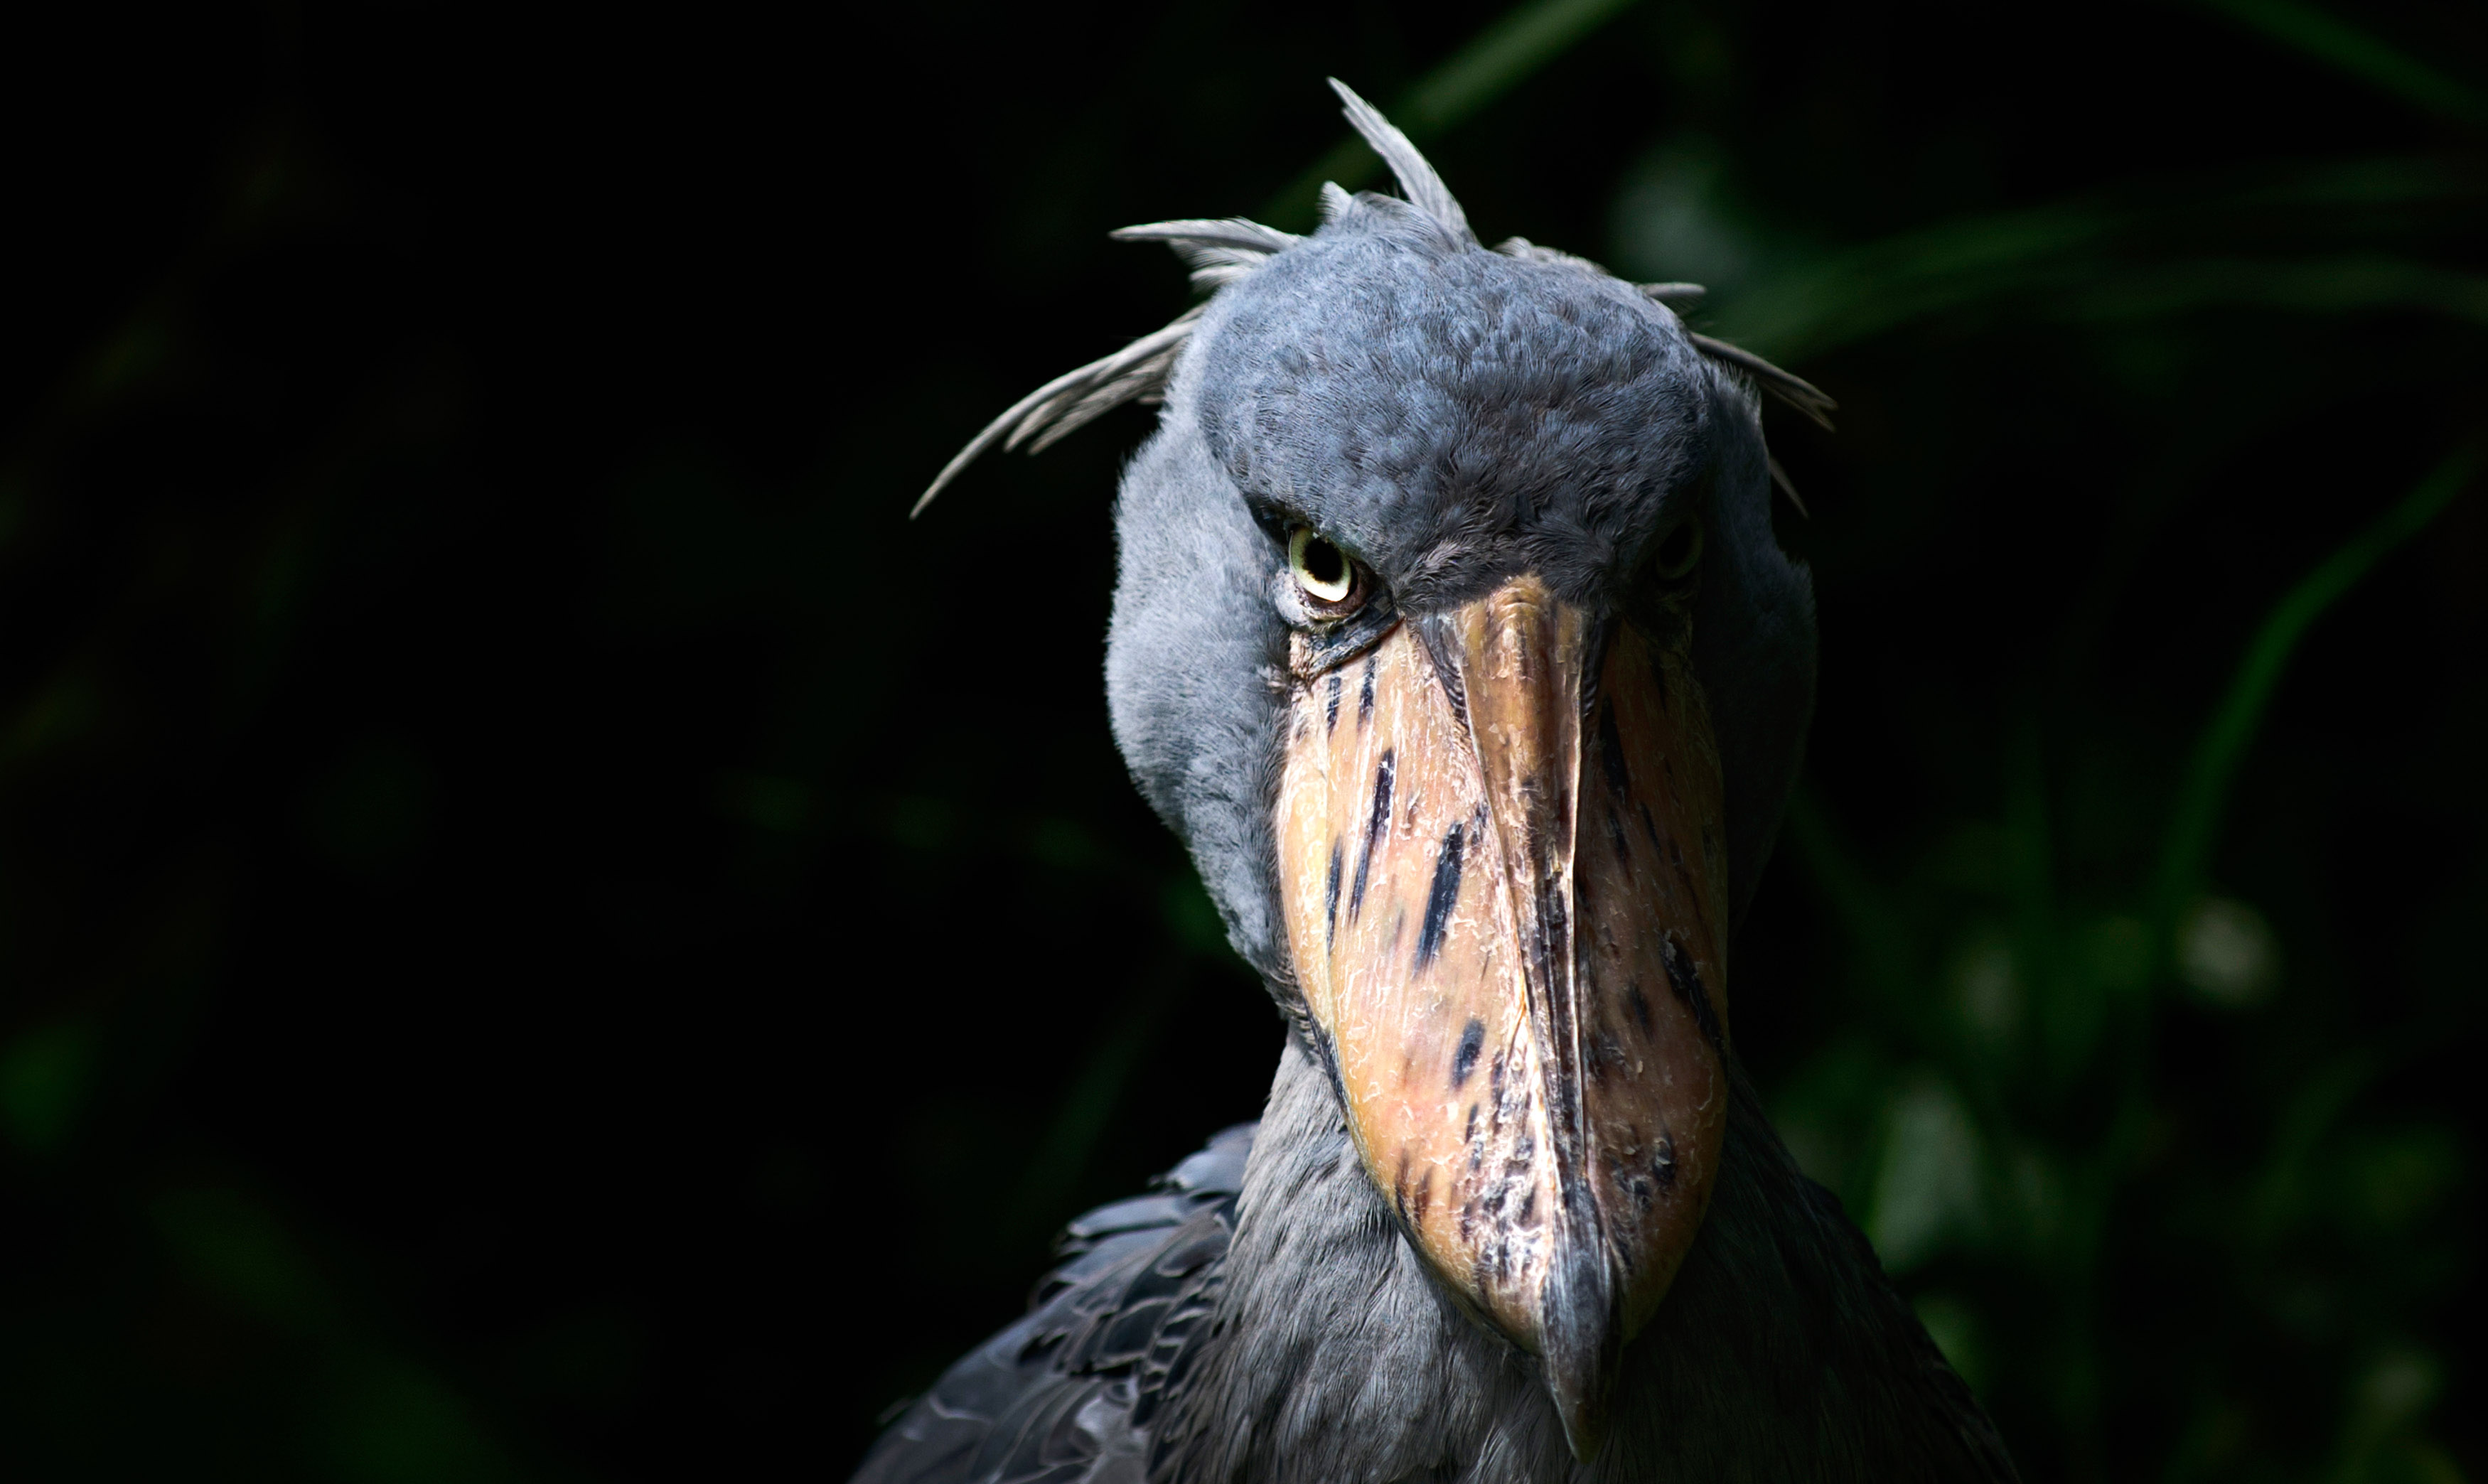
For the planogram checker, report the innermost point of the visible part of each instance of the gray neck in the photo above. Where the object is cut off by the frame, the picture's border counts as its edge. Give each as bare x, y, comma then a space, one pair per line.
1779, 1354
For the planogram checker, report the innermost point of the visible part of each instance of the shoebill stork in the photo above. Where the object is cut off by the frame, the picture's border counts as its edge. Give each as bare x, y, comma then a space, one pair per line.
1451, 634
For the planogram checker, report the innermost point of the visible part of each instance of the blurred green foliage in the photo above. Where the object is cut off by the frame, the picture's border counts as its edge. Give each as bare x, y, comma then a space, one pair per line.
2005, 1114
544, 934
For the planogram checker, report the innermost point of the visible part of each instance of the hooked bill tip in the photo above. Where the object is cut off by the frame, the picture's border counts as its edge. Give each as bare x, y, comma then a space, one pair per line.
1582, 1339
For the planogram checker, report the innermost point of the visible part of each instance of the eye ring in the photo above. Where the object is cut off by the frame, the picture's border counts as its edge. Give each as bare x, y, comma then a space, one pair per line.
1680, 551
1323, 572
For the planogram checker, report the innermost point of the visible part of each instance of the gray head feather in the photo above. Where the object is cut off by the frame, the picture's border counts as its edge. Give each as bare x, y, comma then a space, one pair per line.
1220, 252
1230, 232
1074, 398
1795, 390
1673, 295
1223, 251
1418, 182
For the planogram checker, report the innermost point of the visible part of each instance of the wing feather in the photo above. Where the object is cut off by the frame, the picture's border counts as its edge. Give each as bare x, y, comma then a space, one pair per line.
1063, 1396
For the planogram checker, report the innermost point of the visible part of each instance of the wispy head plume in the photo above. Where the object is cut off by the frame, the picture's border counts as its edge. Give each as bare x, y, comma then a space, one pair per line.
1222, 251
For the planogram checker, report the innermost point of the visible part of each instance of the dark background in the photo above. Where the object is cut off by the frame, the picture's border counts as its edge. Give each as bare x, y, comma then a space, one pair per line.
547, 933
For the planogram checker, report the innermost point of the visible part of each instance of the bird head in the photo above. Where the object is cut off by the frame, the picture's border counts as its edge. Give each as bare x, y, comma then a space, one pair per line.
1451, 635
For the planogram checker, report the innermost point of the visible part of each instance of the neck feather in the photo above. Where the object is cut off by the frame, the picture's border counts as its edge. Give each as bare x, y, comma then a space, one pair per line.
1332, 1355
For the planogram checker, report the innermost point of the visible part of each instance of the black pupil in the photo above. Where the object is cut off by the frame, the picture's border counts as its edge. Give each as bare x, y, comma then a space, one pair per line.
1676, 549
1324, 563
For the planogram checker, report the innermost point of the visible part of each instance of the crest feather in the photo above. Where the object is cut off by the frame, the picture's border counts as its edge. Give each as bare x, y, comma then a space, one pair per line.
1418, 182
1788, 387
1221, 250
1075, 397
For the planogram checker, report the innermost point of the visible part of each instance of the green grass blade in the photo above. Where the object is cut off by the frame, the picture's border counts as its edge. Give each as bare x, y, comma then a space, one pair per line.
2151, 250
2341, 44
1885, 955
1492, 64
1503, 54
2323, 286
2205, 794
1874, 289
2057, 263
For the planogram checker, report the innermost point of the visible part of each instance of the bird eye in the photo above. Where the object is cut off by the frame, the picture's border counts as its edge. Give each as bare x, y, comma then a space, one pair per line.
1680, 551
1321, 568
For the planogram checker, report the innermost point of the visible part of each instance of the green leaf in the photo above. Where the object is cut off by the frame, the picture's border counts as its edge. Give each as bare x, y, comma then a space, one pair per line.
2342, 46
44, 1075
2310, 285
1497, 59
2205, 794
2159, 249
